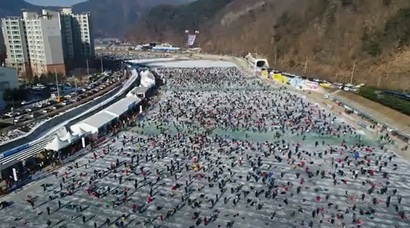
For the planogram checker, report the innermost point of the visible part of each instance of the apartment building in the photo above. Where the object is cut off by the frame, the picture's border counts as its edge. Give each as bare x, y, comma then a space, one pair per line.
15, 43
84, 41
2, 47
44, 42
78, 38
47, 41
67, 32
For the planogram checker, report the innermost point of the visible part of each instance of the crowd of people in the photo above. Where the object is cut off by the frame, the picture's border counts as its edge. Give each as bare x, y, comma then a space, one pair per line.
119, 56
221, 149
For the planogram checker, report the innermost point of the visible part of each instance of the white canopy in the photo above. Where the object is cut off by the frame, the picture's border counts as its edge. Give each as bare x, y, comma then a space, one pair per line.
144, 61
62, 132
122, 106
79, 131
69, 137
56, 145
147, 79
138, 90
94, 122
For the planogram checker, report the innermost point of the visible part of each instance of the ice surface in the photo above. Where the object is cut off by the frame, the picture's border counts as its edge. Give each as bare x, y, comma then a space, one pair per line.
193, 64
238, 130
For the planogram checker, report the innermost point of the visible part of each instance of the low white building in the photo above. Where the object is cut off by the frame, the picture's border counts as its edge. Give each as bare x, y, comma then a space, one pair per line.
138, 92
94, 124
122, 106
8, 80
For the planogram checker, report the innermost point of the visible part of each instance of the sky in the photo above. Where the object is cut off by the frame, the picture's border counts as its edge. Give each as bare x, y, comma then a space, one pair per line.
54, 2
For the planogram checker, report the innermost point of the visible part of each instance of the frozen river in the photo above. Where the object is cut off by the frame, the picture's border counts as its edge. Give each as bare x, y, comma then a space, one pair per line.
224, 150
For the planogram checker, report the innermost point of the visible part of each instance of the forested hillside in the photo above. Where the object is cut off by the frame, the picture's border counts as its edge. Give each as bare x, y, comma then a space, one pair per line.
328, 38
114, 17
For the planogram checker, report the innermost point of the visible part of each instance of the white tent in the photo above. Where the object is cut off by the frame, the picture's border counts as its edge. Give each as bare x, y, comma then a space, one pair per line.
93, 123
56, 145
145, 61
121, 106
62, 132
138, 91
147, 79
80, 132
69, 137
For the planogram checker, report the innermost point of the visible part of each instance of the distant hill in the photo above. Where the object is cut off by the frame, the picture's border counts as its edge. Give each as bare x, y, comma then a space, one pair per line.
13, 7
111, 18
327, 37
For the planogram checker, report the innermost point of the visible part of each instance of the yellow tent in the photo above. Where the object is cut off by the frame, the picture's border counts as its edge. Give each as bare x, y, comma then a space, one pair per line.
325, 85
279, 78
264, 74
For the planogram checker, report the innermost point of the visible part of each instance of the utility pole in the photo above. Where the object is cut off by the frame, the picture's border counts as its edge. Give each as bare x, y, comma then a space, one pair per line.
88, 69
58, 89
75, 83
123, 68
102, 65
306, 67
76, 88
353, 71
187, 41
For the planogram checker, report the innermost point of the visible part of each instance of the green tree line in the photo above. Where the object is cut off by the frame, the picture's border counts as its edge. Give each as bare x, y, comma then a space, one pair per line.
390, 101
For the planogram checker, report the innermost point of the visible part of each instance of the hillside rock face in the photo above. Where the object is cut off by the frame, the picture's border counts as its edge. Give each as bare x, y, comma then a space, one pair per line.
328, 39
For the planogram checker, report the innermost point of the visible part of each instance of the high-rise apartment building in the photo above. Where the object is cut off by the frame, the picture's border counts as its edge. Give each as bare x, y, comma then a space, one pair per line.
44, 42
15, 43
2, 48
84, 41
67, 32
47, 41
78, 38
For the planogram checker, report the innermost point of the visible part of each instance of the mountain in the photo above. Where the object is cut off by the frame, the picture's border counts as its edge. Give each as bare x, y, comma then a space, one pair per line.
13, 7
112, 17
328, 39
109, 17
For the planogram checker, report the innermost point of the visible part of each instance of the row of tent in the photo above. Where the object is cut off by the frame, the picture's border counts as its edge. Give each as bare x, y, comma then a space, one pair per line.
60, 143
97, 121
294, 81
93, 124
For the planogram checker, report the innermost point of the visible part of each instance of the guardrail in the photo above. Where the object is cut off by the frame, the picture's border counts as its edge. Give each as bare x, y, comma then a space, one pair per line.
368, 115
14, 150
37, 132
